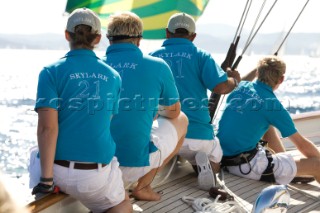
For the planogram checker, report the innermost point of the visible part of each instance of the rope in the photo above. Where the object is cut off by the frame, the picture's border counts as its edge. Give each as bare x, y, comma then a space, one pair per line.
169, 172
303, 192
206, 205
223, 185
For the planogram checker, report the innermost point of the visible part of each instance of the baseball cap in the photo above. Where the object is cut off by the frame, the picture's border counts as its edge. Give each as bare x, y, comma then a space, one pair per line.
181, 20
84, 16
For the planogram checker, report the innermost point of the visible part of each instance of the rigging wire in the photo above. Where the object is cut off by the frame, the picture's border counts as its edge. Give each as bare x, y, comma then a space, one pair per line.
256, 21
235, 65
276, 53
242, 20
231, 55
215, 98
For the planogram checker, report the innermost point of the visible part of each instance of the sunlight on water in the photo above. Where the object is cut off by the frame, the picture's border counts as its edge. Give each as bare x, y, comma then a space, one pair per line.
301, 88
19, 71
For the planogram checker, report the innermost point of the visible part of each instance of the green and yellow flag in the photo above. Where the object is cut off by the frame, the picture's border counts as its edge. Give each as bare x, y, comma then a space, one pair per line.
154, 13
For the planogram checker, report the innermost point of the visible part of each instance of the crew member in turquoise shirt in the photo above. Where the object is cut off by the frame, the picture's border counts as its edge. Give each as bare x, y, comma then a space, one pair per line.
148, 89
76, 98
250, 111
196, 73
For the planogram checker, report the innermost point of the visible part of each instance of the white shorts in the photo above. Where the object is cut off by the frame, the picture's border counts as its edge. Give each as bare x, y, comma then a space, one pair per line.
190, 148
285, 168
34, 167
165, 137
98, 189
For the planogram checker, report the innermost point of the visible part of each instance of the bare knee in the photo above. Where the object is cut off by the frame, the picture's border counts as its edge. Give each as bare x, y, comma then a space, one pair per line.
309, 166
181, 124
124, 207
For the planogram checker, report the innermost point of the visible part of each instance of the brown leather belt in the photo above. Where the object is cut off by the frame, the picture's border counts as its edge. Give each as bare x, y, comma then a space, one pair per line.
81, 166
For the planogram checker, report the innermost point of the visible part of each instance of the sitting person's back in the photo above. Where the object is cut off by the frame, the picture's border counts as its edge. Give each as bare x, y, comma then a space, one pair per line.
146, 83
251, 110
148, 90
76, 99
196, 72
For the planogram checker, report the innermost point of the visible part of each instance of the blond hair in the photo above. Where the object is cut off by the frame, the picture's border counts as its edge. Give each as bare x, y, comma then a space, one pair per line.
124, 23
270, 70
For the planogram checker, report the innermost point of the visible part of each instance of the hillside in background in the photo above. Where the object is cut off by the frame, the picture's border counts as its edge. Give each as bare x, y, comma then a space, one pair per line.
217, 38
213, 38
37, 41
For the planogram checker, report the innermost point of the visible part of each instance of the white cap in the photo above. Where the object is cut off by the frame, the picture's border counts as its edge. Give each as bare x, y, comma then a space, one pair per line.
181, 20
84, 16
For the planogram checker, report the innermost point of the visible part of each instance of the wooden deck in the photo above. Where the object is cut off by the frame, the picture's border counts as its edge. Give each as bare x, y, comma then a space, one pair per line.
183, 182
304, 197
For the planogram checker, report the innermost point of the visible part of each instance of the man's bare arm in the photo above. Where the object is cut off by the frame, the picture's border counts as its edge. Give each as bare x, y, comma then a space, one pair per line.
305, 146
47, 139
228, 85
172, 111
250, 76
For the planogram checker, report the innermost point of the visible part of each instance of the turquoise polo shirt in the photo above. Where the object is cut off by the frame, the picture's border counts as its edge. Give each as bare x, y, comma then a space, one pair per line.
146, 82
85, 92
195, 72
250, 110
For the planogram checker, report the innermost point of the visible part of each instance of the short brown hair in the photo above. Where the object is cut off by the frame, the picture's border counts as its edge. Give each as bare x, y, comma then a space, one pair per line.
270, 70
82, 37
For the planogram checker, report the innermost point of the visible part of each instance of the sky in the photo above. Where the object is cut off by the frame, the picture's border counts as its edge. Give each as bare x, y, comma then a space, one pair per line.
47, 16
281, 18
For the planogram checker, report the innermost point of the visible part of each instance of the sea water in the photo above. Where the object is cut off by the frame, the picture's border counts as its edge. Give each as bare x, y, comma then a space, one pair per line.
19, 71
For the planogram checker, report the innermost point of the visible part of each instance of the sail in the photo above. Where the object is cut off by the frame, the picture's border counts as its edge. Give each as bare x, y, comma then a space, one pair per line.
154, 13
